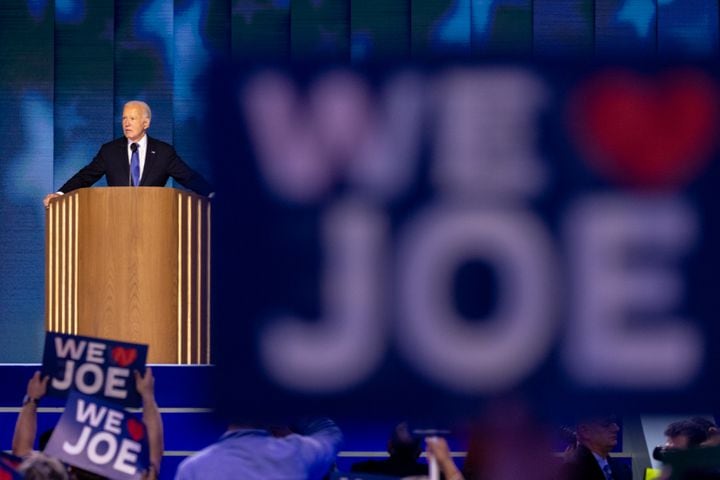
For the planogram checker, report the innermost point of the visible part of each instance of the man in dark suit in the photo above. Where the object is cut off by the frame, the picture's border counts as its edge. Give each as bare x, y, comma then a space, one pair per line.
135, 159
591, 458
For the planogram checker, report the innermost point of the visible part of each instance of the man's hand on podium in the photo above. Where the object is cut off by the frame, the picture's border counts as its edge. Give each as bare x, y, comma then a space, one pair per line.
48, 198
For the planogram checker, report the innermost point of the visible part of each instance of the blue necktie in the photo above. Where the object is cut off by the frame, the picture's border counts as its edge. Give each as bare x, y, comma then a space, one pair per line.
608, 472
135, 164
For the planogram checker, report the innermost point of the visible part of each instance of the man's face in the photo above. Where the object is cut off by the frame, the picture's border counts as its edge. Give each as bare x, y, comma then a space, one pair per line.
603, 433
134, 122
678, 441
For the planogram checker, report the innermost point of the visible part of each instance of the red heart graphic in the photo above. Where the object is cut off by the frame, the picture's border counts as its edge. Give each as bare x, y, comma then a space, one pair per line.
646, 134
124, 356
135, 429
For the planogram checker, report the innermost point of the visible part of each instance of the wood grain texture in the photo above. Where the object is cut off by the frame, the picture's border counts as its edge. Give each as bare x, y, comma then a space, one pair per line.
131, 264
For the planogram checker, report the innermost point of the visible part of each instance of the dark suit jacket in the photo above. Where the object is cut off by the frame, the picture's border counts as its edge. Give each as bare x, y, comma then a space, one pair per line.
582, 466
161, 163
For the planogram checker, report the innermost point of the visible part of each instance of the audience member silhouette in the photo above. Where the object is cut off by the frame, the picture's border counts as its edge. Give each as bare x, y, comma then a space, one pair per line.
38, 466
591, 459
686, 433
253, 453
404, 449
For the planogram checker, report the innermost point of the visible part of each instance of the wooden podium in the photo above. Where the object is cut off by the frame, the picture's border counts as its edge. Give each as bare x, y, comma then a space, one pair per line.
131, 264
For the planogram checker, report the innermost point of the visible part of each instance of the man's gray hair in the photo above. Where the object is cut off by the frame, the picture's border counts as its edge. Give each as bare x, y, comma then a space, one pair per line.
141, 104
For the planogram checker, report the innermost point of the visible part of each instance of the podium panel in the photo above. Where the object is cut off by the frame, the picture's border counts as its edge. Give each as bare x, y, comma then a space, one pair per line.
132, 264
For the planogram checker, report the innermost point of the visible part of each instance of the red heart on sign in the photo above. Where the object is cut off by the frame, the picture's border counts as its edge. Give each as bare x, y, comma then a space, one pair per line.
136, 429
646, 134
124, 356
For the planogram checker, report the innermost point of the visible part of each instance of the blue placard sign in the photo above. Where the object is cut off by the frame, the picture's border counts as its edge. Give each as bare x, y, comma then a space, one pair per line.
93, 366
100, 437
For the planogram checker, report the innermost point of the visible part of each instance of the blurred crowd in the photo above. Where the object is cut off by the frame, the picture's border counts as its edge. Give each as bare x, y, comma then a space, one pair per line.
506, 443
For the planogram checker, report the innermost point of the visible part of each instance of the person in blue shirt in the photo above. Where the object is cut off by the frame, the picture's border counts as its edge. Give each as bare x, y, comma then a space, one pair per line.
255, 453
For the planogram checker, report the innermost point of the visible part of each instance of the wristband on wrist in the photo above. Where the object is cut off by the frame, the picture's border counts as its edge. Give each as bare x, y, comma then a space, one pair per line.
28, 399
